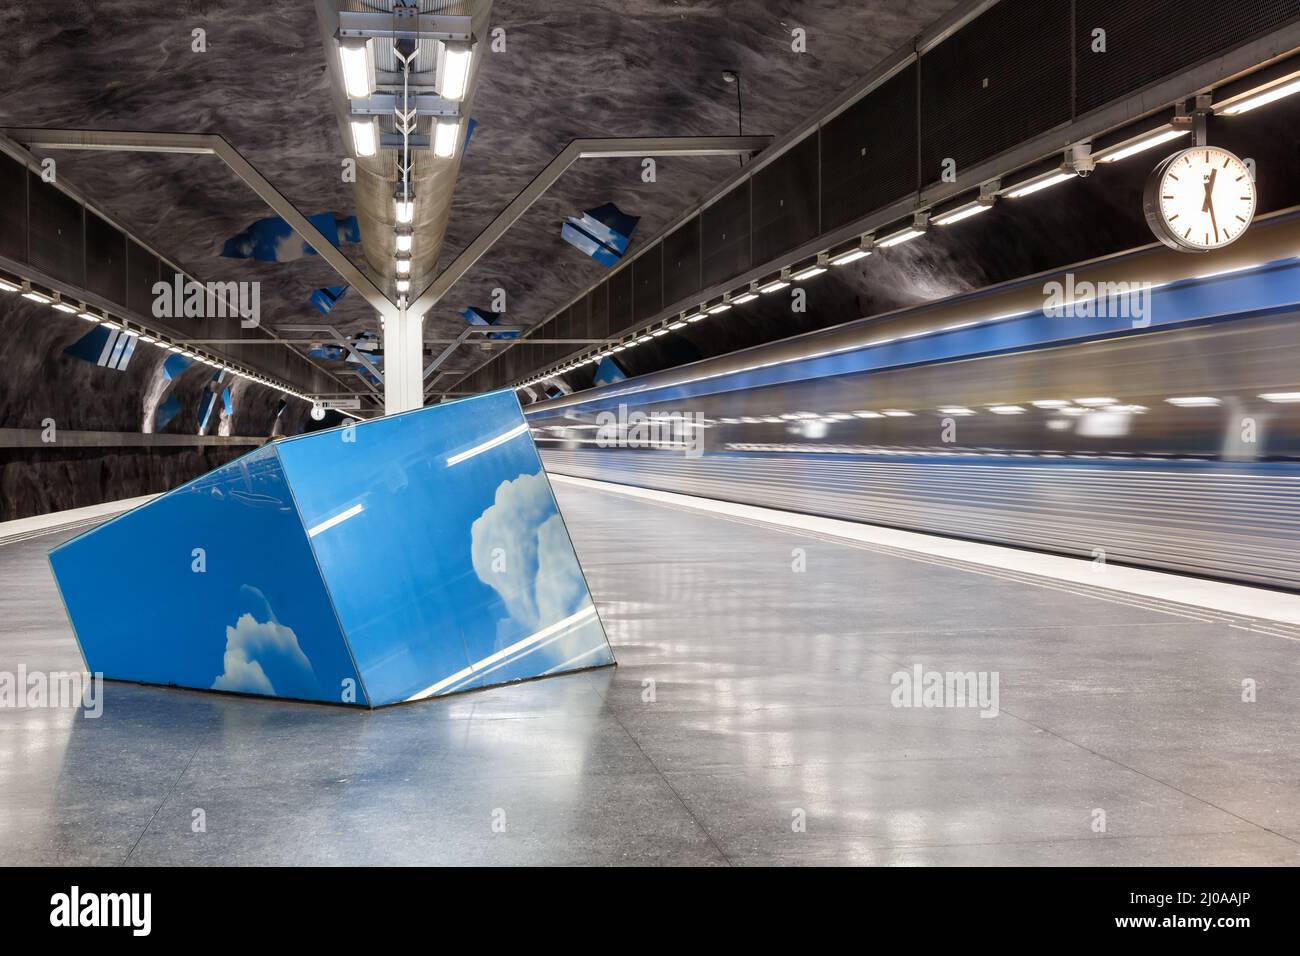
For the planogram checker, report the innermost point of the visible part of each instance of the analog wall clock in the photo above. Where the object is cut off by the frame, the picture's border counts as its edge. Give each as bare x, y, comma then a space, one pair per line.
1200, 199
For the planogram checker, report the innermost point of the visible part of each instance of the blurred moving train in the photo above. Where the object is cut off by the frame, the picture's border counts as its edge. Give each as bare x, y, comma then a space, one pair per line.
1147, 414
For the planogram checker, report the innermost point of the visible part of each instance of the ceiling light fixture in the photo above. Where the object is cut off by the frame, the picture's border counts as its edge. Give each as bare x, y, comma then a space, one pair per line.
445, 134
358, 65
404, 206
920, 224
1194, 401
1140, 144
1260, 96
1031, 186
964, 211
365, 136
454, 59
853, 253
807, 270
774, 283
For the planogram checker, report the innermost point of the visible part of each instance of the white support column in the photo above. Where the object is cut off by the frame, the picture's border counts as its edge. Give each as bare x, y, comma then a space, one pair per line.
403, 362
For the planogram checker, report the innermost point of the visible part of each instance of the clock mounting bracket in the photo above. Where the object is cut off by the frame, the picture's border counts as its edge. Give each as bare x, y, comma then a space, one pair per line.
1196, 118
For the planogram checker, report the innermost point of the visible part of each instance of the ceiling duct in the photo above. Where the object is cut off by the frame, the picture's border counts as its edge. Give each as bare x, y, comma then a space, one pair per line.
393, 51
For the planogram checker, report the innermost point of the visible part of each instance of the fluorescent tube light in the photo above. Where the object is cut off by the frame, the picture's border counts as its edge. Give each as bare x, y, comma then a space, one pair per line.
445, 134
1139, 145
453, 70
900, 237
1260, 97
358, 68
1029, 187
807, 272
961, 212
851, 255
365, 136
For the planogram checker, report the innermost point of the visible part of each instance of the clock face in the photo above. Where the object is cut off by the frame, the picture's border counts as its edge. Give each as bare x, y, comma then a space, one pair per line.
1200, 199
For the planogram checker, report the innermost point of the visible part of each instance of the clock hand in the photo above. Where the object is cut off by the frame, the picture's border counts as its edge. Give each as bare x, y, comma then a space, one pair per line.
1209, 190
1213, 221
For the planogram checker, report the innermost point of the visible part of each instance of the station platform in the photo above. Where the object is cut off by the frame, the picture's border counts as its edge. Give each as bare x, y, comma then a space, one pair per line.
756, 716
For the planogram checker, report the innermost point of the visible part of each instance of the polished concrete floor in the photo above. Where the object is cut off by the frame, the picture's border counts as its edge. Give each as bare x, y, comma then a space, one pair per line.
749, 721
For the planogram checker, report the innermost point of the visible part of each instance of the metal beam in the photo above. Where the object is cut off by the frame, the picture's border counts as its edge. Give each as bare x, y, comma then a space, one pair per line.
364, 23
637, 146
446, 353
213, 145
342, 340
384, 104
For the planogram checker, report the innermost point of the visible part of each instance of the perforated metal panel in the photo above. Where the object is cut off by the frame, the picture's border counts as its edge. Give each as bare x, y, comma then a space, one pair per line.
1146, 40
582, 319
141, 274
647, 283
13, 209
1001, 79
681, 251
55, 241
724, 228
869, 152
105, 259
785, 201
599, 299
620, 299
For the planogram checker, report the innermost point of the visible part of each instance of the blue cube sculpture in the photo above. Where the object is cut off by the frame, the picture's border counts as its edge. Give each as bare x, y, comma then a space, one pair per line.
393, 560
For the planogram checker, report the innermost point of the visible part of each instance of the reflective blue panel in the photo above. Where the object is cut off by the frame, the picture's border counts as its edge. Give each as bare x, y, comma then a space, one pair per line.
443, 550
211, 586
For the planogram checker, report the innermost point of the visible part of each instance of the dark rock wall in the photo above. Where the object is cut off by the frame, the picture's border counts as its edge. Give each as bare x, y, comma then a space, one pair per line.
40, 384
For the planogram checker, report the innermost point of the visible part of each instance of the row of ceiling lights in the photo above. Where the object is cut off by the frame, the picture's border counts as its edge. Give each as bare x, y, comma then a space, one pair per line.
866, 244
356, 59
55, 301
1079, 406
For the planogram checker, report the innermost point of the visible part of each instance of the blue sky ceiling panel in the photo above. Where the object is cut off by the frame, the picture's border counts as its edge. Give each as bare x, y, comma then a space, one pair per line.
273, 240
167, 410
477, 316
392, 560
109, 348
608, 371
602, 233
175, 364
325, 299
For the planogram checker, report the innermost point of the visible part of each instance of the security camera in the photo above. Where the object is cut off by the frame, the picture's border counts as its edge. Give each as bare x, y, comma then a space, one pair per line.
1079, 159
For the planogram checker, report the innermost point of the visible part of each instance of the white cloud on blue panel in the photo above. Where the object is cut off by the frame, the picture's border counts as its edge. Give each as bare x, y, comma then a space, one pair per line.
540, 582
253, 647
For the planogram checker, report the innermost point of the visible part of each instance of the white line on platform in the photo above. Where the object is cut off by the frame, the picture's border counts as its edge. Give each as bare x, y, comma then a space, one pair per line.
1235, 599
20, 529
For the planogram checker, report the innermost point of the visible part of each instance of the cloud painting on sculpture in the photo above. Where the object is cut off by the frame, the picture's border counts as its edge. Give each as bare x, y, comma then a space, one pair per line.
393, 560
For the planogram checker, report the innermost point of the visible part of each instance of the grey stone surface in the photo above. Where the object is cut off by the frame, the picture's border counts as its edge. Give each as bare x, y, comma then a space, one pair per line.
748, 696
